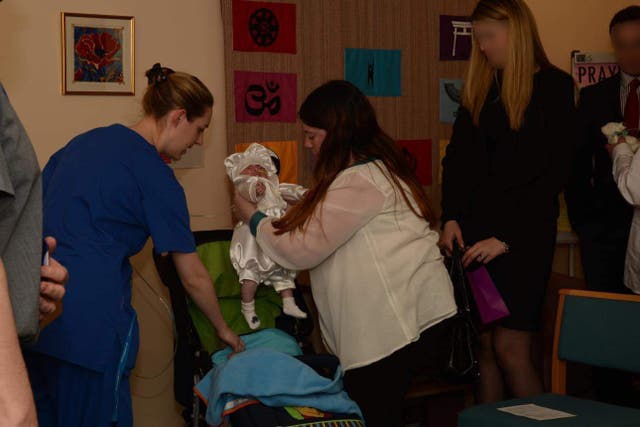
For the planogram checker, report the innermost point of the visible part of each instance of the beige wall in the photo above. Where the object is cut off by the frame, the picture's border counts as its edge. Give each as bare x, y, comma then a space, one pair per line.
567, 25
185, 35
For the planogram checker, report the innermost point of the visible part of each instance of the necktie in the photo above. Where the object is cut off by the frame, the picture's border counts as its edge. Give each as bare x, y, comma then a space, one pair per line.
632, 109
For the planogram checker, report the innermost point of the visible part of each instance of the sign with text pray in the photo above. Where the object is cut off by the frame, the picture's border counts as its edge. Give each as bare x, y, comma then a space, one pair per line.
592, 67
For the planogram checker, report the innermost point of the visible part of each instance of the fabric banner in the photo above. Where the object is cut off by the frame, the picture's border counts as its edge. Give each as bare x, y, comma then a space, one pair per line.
455, 38
264, 26
265, 97
418, 152
450, 98
375, 72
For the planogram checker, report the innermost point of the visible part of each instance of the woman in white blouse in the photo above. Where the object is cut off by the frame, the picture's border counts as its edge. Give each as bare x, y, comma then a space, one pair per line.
626, 172
364, 232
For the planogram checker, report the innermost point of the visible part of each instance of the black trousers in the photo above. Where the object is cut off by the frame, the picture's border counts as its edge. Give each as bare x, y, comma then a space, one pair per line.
379, 388
603, 255
603, 258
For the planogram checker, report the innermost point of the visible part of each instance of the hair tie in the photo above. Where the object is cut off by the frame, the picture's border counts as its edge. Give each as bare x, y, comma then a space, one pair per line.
158, 74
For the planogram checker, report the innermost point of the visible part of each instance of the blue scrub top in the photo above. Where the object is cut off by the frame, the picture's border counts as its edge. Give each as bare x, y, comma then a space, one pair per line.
105, 193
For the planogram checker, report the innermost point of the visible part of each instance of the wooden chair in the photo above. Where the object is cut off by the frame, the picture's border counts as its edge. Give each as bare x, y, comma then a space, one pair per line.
543, 350
593, 328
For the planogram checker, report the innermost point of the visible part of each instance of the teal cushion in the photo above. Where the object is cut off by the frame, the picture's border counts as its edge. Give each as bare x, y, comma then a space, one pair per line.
588, 414
594, 332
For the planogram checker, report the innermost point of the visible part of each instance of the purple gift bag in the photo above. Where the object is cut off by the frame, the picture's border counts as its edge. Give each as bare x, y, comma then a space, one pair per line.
489, 302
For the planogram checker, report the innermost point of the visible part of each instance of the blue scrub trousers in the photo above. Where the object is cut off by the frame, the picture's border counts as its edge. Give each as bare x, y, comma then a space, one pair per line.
88, 398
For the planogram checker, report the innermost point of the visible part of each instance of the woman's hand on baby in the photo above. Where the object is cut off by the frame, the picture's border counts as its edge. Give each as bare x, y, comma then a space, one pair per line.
244, 209
232, 340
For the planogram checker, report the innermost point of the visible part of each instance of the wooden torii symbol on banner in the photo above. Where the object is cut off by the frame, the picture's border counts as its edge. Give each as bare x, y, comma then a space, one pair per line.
460, 28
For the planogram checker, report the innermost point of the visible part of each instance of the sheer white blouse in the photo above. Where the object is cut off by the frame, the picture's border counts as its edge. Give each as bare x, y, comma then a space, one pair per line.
377, 275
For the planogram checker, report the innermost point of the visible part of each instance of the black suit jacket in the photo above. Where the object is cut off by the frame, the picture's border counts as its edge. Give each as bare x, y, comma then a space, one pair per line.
593, 199
501, 183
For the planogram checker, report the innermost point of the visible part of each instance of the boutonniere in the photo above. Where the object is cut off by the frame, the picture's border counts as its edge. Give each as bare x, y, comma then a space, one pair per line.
618, 132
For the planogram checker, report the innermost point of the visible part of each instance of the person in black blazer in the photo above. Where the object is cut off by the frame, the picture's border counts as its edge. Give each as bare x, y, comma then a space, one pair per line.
508, 160
597, 211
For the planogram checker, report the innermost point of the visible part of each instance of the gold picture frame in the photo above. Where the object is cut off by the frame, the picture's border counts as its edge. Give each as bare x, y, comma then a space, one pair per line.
98, 54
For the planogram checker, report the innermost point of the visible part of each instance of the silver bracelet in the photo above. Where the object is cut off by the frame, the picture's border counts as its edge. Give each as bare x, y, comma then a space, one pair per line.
507, 248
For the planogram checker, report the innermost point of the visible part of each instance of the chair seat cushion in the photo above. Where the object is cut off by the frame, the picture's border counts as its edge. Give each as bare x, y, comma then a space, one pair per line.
588, 413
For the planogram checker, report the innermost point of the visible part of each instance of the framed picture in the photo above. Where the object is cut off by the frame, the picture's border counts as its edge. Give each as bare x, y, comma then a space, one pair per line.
97, 54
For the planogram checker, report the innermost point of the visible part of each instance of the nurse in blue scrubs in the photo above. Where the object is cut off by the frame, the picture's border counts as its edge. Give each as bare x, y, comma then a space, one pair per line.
105, 194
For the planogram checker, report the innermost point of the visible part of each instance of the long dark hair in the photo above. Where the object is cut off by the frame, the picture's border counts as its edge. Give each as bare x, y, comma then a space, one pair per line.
345, 113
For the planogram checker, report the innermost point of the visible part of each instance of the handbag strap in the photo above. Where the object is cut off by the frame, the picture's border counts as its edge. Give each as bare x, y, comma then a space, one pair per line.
459, 277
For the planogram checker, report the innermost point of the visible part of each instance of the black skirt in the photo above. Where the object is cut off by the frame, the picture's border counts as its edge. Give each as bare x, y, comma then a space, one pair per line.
522, 276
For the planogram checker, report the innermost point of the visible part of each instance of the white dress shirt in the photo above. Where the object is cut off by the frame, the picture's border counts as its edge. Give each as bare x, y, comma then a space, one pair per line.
626, 172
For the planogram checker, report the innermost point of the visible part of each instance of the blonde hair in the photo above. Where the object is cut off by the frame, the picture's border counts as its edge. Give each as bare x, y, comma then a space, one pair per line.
525, 54
170, 90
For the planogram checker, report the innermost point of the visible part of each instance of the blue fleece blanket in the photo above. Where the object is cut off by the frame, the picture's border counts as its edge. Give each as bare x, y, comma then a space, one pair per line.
274, 339
275, 379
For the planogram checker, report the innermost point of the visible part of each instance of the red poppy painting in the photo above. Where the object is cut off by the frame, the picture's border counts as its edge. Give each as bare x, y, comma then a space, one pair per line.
98, 54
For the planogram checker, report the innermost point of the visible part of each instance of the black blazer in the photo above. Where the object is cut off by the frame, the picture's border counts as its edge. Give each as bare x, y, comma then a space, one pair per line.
503, 183
593, 199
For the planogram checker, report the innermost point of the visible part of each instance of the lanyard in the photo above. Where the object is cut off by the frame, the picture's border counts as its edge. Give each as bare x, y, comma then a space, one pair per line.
121, 367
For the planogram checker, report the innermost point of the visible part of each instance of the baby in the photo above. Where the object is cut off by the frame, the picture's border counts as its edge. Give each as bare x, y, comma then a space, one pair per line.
254, 173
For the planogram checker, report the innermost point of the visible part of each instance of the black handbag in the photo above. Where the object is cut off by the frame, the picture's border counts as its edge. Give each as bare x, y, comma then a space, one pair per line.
462, 364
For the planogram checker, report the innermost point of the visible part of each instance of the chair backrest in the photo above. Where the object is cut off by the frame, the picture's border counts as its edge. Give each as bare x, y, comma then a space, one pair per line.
213, 249
192, 359
597, 329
